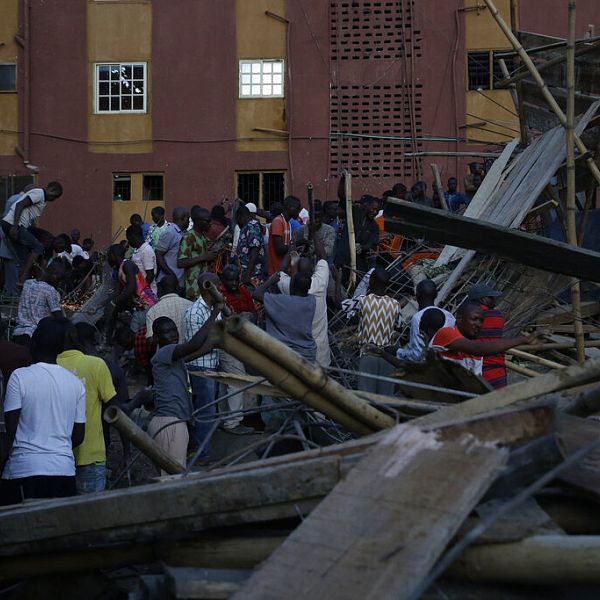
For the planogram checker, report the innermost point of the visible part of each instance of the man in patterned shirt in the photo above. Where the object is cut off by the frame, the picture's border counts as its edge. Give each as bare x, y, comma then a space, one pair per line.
379, 318
39, 299
194, 253
203, 389
250, 248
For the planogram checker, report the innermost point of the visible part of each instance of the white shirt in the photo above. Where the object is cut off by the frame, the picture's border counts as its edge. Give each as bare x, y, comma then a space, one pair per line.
30, 213
51, 400
318, 289
415, 328
76, 250
145, 260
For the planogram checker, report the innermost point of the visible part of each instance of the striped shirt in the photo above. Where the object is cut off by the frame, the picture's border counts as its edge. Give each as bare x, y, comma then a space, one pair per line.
494, 367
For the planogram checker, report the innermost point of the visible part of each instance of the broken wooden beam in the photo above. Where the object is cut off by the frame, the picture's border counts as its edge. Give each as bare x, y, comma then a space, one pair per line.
415, 220
370, 537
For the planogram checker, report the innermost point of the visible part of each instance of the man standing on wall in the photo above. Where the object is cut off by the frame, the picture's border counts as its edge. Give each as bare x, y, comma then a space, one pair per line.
21, 216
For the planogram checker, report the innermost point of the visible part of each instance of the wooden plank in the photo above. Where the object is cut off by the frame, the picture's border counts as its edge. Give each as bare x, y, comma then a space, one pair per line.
378, 533
575, 433
205, 584
175, 507
547, 383
482, 196
407, 218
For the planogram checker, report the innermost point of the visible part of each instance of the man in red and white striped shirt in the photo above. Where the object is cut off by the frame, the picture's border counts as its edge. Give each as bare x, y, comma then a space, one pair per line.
494, 367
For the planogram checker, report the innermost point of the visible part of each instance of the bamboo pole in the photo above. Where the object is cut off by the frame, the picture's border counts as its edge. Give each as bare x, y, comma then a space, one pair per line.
593, 167
520, 370
541, 559
571, 183
439, 187
283, 379
536, 359
313, 377
350, 226
141, 440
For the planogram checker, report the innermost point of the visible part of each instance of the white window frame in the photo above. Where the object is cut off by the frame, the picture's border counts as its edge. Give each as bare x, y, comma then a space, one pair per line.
97, 88
265, 79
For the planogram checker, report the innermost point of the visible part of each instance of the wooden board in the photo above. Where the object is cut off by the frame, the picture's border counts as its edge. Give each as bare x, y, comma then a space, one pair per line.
575, 433
445, 374
547, 383
379, 532
176, 507
415, 220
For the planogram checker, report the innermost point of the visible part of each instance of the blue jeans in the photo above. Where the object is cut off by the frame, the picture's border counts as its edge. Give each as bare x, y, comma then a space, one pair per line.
203, 393
91, 478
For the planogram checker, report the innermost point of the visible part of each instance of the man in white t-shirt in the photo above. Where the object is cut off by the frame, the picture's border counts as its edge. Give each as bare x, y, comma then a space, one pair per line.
22, 214
143, 255
425, 295
318, 289
45, 419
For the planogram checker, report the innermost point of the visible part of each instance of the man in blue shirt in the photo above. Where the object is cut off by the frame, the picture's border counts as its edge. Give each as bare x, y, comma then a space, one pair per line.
454, 199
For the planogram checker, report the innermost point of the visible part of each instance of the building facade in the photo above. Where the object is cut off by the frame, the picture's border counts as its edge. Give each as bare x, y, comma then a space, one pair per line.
138, 103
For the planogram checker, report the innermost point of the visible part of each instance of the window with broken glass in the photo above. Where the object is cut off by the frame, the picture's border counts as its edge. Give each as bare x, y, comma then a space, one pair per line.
121, 88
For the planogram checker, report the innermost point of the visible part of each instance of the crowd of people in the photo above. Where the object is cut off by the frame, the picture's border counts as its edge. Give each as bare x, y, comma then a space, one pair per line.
285, 269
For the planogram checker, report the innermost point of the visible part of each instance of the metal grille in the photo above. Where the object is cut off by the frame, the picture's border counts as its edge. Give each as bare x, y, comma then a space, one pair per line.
153, 187
365, 29
364, 122
248, 187
273, 189
479, 70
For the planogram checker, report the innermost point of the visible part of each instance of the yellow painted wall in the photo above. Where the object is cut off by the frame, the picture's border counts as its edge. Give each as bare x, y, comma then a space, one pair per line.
481, 30
123, 209
9, 104
261, 37
482, 33
498, 119
119, 32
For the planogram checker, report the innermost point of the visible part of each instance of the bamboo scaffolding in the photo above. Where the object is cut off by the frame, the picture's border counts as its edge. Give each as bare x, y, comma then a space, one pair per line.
571, 183
593, 167
313, 377
283, 379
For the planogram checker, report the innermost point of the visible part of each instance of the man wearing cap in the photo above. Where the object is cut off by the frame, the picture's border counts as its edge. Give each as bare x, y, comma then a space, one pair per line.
494, 367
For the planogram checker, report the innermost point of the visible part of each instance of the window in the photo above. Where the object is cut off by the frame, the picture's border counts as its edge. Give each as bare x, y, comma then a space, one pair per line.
484, 69
261, 188
479, 70
8, 78
152, 186
120, 87
121, 186
261, 78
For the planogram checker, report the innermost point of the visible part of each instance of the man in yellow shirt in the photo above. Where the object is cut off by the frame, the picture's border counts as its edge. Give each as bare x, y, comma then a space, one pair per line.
90, 456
